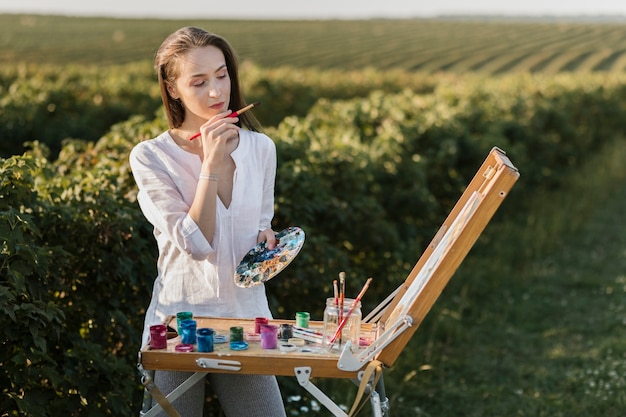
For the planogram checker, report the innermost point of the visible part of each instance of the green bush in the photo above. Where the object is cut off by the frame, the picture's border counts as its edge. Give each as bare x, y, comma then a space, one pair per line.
49, 104
73, 264
368, 179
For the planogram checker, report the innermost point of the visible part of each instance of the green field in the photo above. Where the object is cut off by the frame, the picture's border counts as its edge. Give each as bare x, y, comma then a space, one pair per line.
428, 45
370, 161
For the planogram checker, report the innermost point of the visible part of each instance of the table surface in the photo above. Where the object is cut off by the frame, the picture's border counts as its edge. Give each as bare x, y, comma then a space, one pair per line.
255, 359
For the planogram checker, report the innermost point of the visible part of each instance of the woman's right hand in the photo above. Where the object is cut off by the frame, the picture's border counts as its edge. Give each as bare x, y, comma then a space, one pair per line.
216, 133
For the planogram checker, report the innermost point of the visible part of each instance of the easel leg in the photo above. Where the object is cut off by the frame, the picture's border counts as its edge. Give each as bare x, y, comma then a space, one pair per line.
147, 397
303, 374
164, 402
374, 387
379, 400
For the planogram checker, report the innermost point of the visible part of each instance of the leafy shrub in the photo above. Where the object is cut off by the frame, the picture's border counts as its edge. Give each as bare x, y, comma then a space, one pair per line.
369, 180
73, 289
50, 104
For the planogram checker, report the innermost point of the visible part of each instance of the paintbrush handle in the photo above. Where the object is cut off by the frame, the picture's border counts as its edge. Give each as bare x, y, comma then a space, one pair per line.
233, 114
242, 110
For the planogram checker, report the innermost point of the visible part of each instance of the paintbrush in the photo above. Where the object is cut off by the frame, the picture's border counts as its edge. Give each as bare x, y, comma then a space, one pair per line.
352, 307
233, 114
342, 291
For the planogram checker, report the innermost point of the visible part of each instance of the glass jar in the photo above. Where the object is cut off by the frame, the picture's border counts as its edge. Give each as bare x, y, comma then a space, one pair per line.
158, 336
180, 316
204, 337
333, 316
188, 331
302, 319
285, 332
269, 337
258, 322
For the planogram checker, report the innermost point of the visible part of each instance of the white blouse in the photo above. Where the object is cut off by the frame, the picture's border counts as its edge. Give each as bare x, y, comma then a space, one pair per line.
194, 274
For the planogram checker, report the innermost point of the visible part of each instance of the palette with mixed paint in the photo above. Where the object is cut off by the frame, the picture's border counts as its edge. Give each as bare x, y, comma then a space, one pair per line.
260, 264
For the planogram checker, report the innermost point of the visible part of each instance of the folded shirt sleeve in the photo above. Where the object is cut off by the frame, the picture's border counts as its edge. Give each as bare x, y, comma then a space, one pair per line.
164, 205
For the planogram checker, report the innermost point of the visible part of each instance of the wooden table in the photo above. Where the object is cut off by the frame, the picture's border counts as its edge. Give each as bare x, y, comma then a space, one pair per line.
254, 360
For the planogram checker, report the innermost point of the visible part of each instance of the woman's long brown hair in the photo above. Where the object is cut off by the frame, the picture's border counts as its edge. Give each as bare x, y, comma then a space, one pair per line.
166, 60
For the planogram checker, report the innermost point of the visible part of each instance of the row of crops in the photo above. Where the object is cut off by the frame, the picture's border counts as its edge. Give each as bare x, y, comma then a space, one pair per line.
425, 45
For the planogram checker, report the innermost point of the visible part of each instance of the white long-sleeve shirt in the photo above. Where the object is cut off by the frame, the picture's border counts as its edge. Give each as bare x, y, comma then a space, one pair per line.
194, 274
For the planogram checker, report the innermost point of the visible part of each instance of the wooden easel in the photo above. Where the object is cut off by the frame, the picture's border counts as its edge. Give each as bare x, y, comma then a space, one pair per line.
390, 325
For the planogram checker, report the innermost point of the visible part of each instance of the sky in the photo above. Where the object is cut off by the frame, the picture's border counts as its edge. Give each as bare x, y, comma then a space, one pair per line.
313, 9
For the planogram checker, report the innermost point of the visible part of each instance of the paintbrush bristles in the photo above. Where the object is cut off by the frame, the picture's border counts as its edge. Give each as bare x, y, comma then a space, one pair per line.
367, 284
342, 284
248, 107
342, 292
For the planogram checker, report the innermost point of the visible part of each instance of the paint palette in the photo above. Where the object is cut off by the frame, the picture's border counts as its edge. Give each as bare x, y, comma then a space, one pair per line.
261, 264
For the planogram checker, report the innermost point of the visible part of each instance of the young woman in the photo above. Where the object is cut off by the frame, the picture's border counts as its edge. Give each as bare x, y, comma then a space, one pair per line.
210, 200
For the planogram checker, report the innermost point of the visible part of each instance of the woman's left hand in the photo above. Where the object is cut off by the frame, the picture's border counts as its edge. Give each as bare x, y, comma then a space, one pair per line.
268, 236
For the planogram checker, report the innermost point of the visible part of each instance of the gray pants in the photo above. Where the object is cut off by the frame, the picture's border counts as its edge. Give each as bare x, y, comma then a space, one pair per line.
239, 395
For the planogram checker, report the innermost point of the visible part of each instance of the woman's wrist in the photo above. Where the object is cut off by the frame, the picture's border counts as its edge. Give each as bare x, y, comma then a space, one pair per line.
208, 176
